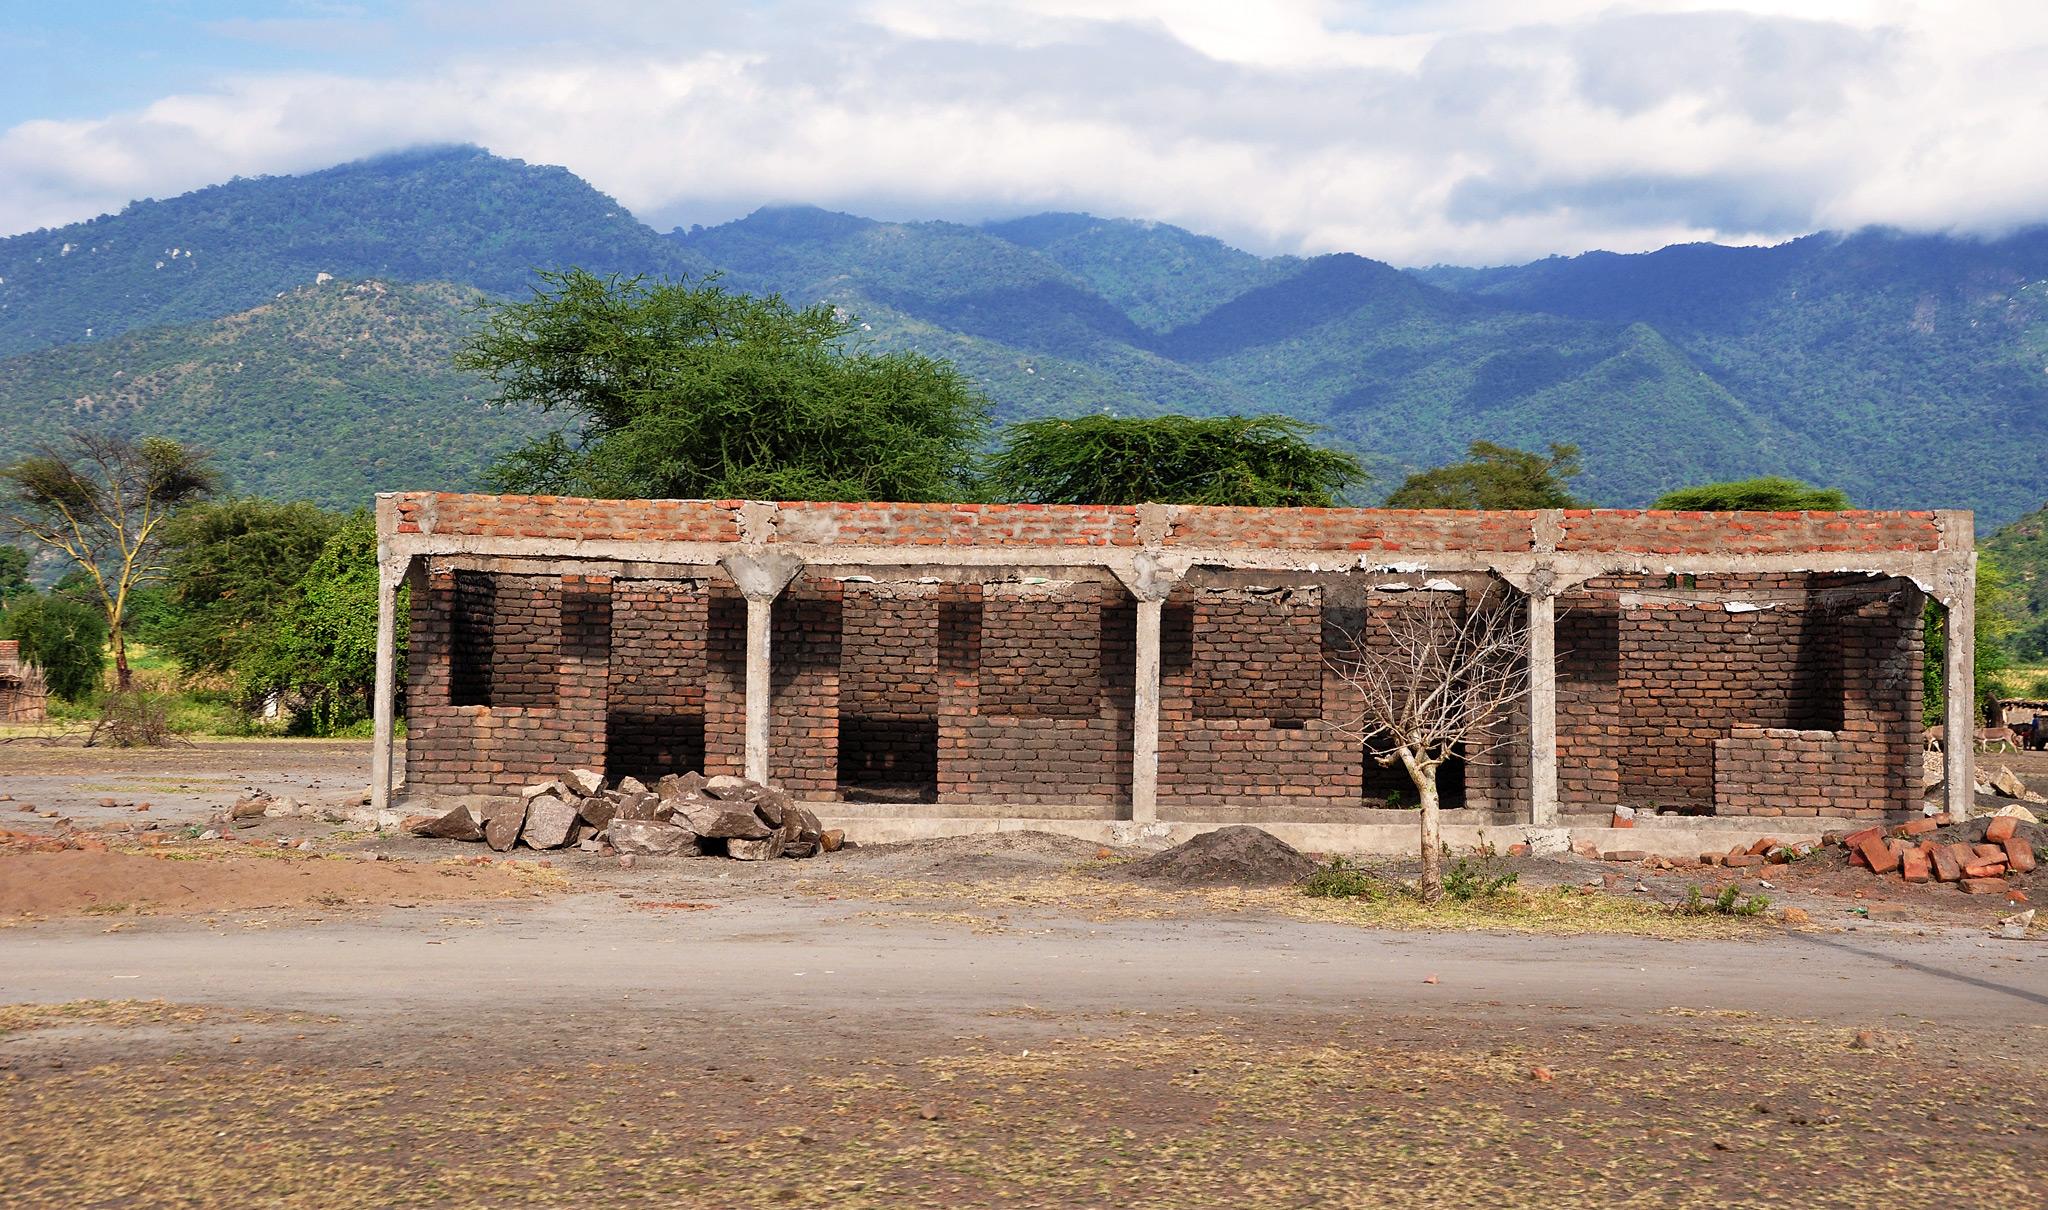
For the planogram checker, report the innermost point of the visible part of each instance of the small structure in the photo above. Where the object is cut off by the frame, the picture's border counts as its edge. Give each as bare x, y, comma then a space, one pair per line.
23, 696
1090, 669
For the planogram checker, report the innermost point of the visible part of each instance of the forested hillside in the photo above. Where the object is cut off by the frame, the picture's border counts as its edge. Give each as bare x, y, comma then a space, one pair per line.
329, 393
1908, 370
450, 214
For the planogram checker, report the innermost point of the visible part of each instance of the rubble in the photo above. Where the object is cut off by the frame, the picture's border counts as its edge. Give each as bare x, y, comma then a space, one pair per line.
1980, 856
681, 815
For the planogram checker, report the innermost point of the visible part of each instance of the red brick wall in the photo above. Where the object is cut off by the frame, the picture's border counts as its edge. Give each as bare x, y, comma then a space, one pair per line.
889, 686
1241, 700
803, 746
655, 712
1036, 705
725, 680
496, 749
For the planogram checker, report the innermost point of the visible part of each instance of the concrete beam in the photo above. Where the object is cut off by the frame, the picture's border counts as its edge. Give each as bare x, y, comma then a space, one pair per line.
1922, 567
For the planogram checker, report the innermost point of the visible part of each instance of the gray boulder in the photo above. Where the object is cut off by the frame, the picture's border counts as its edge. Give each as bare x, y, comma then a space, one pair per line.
548, 823
458, 824
650, 838
724, 821
727, 788
680, 785
583, 781
753, 850
597, 810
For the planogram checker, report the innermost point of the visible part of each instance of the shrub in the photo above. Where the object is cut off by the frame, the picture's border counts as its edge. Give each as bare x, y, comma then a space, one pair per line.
1481, 878
1344, 879
1730, 902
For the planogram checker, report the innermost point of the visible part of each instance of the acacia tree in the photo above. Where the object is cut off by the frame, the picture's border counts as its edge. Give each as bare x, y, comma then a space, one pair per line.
688, 390
1495, 476
1431, 679
99, 499
1767, 494
1256, 461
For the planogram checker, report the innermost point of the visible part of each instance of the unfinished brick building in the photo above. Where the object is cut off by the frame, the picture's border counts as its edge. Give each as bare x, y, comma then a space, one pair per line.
999, 665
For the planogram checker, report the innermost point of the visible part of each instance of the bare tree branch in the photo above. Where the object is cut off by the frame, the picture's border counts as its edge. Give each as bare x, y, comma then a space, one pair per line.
1432, 677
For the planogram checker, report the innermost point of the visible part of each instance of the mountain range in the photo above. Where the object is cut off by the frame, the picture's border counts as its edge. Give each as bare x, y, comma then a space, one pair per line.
302, 326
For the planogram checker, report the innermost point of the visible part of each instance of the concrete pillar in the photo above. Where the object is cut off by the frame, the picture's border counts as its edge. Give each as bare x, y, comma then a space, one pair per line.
760, 578
1145, 715
385, 707
1959, 711
760, 624
1542, 707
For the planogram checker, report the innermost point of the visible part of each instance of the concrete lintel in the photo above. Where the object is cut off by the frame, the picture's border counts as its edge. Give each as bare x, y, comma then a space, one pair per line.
762, 575
1924, 568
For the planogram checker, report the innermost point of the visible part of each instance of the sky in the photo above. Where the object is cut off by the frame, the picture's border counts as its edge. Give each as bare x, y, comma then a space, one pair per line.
1454, 131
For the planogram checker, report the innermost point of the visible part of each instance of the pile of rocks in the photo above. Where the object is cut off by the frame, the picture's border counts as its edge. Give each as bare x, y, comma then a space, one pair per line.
681, 815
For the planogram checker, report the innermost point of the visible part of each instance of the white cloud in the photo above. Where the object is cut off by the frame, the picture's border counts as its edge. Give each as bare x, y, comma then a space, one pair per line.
1474, 131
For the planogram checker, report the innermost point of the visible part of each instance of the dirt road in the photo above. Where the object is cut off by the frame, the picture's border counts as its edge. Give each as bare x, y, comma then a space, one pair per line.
379, 1022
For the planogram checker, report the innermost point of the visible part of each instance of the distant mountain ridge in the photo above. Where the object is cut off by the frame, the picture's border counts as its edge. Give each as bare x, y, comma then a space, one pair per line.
1907, 369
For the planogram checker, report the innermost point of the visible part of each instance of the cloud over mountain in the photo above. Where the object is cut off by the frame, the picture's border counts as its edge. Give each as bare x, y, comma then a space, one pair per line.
1477, 131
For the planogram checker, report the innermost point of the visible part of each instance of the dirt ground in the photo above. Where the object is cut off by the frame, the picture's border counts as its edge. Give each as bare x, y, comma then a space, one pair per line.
977, 1021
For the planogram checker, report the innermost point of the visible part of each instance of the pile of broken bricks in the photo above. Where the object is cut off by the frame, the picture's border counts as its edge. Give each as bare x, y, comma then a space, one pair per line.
681, 815
1978, 867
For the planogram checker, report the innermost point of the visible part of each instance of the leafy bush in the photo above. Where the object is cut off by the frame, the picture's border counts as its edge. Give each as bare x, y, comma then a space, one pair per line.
64, 638
321, 648
1476, 878
1730, 902
1344, 879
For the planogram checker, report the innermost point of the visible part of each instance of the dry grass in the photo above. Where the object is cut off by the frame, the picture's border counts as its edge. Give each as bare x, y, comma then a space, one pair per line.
992, 904
1183, 1114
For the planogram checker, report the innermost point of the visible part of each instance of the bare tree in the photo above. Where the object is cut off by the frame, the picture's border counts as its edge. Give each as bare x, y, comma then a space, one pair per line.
1434, 677
99, 500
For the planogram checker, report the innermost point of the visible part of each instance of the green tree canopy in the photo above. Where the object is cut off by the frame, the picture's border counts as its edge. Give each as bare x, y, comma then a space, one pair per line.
689, 391
13, 572
321, 646
230, 567
1495, 477
65, 638
1265, 461
1768, 494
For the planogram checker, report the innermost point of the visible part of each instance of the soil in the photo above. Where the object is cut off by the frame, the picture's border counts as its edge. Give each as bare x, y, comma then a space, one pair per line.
1234, 856
734, 1035
964, 858
84, 882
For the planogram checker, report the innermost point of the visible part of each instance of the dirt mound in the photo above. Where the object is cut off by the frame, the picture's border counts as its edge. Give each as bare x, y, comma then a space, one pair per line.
112, 884
1234, 856
980, 855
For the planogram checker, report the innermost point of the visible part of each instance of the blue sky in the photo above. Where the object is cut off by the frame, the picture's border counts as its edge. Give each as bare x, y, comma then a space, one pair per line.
1473, 131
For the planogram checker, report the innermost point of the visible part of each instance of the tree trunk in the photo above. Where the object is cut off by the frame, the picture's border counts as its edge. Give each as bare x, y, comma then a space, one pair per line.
1423, 774
121, 674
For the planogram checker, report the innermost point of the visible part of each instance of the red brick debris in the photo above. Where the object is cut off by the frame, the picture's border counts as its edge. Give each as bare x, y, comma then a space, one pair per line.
1981, 856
